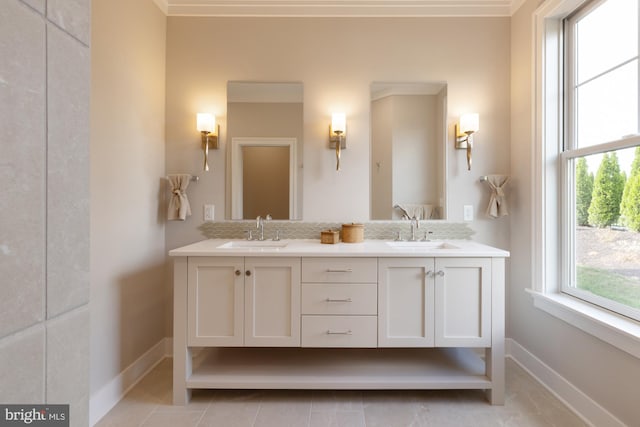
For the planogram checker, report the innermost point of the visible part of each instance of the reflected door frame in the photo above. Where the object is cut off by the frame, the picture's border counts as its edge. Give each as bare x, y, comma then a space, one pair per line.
237, 143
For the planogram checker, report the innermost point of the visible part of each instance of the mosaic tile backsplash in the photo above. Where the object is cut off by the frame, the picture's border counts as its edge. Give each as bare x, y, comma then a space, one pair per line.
373, 230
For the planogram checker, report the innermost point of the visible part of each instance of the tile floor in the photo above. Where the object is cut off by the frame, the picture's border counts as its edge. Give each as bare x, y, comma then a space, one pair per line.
527, 404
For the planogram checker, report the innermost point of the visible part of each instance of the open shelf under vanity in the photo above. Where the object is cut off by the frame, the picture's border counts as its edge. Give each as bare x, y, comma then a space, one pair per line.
315, 368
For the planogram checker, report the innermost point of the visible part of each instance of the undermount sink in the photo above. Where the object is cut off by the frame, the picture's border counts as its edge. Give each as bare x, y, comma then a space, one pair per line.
253, 244
421, 245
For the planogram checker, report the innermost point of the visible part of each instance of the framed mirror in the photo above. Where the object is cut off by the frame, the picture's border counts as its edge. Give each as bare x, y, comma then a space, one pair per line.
264, 125
408, 155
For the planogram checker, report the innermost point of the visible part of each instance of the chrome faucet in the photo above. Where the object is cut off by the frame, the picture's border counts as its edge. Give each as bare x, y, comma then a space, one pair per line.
260, 225
415, 224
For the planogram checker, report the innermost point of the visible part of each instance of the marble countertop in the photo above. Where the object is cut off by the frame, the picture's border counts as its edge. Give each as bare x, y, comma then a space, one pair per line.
368, 248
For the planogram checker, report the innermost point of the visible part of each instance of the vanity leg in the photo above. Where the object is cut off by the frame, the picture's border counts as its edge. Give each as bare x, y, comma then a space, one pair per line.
494, 356
181, 353
495, 371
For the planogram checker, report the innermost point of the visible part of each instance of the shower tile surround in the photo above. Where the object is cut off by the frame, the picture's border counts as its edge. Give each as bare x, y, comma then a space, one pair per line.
44, 311
373, 230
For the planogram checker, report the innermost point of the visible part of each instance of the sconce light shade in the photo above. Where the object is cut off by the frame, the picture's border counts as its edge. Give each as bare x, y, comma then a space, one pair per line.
205, 122
206, 125
469, 124
338, 123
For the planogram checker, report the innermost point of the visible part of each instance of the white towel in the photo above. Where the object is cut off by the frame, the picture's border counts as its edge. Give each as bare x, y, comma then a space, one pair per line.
179, 208
418, 210
498, 202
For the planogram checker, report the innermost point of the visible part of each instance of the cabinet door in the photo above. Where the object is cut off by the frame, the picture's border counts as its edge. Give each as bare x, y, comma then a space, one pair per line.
215, 301
463, 302
272, 302
405, 302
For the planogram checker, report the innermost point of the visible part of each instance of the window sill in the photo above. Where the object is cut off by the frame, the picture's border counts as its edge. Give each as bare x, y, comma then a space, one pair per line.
619, 331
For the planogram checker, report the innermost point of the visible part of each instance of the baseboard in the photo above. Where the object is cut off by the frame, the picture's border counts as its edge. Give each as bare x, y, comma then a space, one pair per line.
110, 394
585, 407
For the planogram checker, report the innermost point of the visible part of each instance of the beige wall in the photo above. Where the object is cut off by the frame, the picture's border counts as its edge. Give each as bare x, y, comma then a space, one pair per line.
414, 152
44, 209
264, 119
127, 187
381, 151
404, 153
607, 375
265, 182
337, 60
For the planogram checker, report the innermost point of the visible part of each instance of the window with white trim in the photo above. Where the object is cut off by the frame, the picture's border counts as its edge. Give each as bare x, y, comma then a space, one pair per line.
599, 157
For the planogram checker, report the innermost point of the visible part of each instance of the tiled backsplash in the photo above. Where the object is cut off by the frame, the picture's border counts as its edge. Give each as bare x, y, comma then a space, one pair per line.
376, 230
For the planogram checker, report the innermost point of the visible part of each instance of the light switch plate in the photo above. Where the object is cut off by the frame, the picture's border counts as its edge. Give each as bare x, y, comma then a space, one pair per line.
209, 212
468, 212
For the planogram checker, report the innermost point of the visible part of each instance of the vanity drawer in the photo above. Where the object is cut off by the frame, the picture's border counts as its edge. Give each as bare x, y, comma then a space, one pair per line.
340, 298
340, 270
339, 331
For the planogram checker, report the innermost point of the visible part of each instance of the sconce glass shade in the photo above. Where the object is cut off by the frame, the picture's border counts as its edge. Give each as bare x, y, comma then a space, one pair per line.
469, 123
206, 122
339, 122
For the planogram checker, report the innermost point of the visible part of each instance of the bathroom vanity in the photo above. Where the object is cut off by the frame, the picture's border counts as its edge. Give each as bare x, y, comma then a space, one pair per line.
299, 314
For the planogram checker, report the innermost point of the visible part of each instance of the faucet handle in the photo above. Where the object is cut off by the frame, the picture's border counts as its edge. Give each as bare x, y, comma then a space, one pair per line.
276, 237
398, 237
249, 234
427, 236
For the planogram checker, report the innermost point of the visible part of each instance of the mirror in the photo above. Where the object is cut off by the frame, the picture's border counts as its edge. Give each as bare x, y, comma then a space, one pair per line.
264, 126
408, 155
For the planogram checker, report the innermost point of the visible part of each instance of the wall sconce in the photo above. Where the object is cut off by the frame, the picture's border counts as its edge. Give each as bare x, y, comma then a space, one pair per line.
469, 124
338, 135
206, 124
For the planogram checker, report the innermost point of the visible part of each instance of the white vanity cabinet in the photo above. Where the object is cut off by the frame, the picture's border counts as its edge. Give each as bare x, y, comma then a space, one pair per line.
339, 302
236, 301
308, 316
272, 302
215, 301
441, 302
462, 302
405, 302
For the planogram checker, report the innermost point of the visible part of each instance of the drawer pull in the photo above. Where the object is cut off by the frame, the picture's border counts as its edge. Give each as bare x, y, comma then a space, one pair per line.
440, 273
339, 270
339, 300
330, 332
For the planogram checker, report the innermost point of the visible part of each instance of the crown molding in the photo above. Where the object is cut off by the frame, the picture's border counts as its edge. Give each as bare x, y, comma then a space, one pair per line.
339, 8
515, 5
163, 5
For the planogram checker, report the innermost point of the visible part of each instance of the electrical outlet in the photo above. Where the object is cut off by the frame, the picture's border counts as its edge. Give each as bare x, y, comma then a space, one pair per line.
468, 212
209, 212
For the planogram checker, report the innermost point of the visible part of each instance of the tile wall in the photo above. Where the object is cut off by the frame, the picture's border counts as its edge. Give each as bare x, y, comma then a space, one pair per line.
380, 230
44, 210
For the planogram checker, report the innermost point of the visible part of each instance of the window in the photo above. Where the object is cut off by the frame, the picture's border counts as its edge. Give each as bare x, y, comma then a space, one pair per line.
599, 175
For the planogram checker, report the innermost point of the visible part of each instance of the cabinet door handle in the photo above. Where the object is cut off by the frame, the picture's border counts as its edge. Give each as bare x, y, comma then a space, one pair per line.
440, 273
430, 273
247, 273
238, 272
339, 270
338, 300
330, 332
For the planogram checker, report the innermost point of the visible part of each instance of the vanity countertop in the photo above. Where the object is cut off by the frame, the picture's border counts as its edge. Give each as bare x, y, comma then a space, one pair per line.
368, 248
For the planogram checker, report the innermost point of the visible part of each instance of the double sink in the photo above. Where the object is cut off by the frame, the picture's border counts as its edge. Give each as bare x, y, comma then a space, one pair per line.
270, 244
